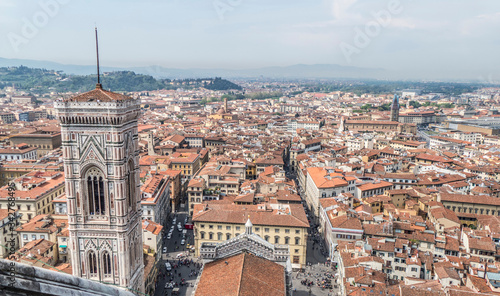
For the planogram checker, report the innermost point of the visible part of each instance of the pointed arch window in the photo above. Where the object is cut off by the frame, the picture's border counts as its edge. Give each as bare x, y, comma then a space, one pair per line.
106, 262
131, 186
95, 192
92, 264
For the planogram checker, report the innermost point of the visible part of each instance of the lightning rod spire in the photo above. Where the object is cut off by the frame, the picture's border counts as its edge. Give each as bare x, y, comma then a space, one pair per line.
98, 85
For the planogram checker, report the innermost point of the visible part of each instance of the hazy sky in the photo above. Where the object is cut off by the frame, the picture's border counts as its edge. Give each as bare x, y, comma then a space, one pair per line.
428, 38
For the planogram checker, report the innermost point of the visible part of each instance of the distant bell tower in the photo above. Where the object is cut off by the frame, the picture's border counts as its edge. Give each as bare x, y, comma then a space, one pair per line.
151, 143
101, 164
395, 109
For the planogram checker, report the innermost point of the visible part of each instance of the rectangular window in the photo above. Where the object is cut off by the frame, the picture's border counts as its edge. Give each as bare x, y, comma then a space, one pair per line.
237, 228
257, 228
219, 227
287, 230
297, 231
228, 227
276, 230
202, 225
33, 236
210, 226
296, 259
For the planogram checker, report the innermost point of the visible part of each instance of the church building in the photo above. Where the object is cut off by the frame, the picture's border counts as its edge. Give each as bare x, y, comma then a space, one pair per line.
101, 164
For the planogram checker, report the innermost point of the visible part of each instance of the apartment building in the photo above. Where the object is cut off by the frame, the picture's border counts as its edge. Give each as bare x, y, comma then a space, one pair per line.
8, 224
463, 203
19, 153
155, 199
187, 163
323, 182
152, 237
284, 224
34, 193
195, 191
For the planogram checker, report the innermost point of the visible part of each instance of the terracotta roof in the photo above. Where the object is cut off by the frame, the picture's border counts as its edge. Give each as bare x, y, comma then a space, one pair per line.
99, 94
36, 192
323, 179
482, 243
246, 198
420, 291
444, 272
46, 223
151, 226
175, 138
462, 198
292, 215
286, 195
370, 186
346, 222
4, 213
478, 283
433, 158
243, 274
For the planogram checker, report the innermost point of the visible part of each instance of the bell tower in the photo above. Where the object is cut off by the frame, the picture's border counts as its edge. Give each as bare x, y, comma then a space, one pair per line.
101, 165
395, 109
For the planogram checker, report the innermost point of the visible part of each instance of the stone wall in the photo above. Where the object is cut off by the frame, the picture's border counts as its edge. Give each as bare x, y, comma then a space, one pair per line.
29, 280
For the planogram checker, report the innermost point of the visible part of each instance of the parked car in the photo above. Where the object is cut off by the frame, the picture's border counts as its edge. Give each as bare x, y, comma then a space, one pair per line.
168, 266
164, 250
183, 241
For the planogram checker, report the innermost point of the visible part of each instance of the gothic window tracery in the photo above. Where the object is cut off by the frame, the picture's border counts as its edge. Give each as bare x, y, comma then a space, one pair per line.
130, 186
106, 262
92, 264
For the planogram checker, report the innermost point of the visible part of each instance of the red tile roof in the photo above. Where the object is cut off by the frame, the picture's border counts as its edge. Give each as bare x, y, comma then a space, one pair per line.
244, 274
293, 215
99, 94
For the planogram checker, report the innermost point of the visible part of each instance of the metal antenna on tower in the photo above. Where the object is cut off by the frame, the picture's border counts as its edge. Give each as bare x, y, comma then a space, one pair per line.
98, 85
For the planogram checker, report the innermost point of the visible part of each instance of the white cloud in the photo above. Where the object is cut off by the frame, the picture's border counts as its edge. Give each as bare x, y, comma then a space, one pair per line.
480, 24
340, 8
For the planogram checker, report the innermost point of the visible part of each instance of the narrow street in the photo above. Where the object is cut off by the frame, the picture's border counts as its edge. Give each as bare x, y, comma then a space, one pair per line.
318, 278
179, 271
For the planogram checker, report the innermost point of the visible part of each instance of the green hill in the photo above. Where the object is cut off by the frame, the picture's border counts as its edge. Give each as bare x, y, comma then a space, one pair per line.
42, 80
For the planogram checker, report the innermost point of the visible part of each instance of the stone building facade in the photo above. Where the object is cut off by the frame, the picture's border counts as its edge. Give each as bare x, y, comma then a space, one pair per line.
101, 161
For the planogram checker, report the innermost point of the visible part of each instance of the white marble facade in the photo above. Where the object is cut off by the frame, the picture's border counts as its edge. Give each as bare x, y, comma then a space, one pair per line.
101, 165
